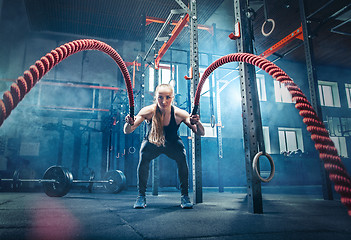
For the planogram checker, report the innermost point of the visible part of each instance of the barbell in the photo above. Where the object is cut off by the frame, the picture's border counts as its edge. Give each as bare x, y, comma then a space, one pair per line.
57, 181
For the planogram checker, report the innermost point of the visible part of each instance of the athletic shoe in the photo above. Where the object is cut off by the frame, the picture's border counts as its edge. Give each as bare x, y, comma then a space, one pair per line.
185, 202
140, 202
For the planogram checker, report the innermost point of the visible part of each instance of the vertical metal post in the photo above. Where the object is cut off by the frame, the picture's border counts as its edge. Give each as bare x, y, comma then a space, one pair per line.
118, 137
194, 63
155, 176
105, 150
113, 146
253, 135
142, 71
189, 138
60, 146
219, 136
171, 69
128, 158
77, 148
217, 101
155, 162
142, 128
313, 86
88, 148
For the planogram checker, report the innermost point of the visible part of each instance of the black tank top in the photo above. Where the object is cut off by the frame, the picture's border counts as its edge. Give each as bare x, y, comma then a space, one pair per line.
170, 131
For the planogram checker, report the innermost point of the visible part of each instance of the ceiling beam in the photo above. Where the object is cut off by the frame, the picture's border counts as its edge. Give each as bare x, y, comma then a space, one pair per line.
282, 43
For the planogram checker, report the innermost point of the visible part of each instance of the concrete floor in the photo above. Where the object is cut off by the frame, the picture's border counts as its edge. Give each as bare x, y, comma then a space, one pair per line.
287, 215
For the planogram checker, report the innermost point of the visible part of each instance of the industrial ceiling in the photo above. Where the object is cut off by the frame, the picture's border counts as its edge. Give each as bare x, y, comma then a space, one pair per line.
122, 20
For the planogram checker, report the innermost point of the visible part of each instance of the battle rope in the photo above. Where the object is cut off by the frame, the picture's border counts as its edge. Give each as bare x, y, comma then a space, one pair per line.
319, 134
30, 77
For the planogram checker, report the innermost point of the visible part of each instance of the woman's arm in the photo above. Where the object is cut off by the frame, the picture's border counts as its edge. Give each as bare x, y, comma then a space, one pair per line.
192, 121
132, 124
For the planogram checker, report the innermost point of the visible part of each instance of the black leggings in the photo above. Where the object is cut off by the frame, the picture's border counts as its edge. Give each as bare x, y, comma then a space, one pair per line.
174, 150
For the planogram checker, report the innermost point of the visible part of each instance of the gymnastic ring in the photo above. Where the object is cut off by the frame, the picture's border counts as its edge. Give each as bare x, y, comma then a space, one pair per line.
254, 166
213, 121
131, 152
264, 24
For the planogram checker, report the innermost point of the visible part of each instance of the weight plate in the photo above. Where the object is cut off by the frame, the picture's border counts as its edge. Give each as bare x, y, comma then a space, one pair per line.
116, 181
23, 174
64, 180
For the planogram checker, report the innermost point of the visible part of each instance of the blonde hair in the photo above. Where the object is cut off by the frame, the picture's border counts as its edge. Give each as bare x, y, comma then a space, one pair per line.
156, 135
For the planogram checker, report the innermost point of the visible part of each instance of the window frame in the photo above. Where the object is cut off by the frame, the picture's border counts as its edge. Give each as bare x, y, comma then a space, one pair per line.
298, 139
266, 139
340, 145
210, 132
348, 94
281, 93
261, 87
334, 93
166, 75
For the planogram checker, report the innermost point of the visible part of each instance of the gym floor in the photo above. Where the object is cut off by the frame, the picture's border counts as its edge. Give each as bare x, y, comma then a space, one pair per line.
289, 213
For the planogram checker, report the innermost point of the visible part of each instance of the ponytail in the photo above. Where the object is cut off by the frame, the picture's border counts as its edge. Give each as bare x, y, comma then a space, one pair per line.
156, 135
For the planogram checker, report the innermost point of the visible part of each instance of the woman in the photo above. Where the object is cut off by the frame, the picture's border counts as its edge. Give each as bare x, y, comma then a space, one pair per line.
163, 121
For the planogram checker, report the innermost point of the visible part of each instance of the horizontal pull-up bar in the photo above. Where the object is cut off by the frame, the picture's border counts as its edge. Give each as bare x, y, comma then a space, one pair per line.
175, 32
159, 34
150, 20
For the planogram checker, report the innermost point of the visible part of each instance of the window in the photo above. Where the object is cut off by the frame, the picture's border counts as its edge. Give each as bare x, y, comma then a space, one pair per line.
345, 126
281, 93
334, 126
348, 94
205, 91
209, 131
261, 87
329, 94
340, 145
164, 76
266, 139
151, 79
290, 139
339, 127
